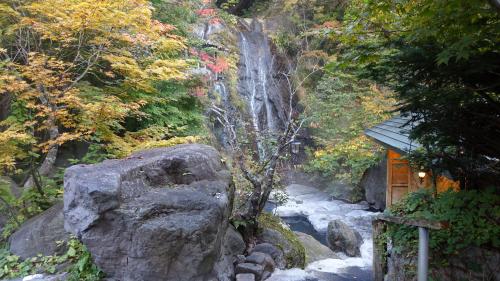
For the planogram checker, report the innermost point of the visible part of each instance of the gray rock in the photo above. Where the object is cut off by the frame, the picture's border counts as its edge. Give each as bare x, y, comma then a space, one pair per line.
374, 183
245, 277
342, 238
234, 247
240, 258
160, 214
291, 254
263, 259
234, 244
269, 249
315, 251
40, 234
273, 251
252, 268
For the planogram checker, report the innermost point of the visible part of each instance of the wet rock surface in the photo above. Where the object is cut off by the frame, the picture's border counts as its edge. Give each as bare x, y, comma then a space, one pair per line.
315, 251
160, 214
343, 238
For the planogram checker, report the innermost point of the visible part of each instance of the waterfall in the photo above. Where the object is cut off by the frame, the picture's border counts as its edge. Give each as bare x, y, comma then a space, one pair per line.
257, 84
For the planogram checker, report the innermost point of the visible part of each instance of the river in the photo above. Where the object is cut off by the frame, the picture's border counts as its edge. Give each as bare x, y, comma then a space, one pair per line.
309, 210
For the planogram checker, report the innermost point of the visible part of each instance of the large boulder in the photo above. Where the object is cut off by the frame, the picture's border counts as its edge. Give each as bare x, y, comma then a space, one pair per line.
342, 238
160, 214
374, 183
40, 235
315, 251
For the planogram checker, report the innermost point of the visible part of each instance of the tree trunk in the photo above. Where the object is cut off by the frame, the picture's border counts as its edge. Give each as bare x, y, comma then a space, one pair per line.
48, 162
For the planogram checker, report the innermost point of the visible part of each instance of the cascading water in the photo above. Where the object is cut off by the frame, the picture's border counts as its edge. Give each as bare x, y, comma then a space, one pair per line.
315, 207
257, 84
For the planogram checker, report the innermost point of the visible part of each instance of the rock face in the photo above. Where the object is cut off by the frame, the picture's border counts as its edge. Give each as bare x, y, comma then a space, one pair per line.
342, 238
39, 235
160, 214
374, 183
315, 251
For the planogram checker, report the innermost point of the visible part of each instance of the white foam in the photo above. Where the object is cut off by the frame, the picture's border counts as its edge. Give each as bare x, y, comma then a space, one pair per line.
294, 274
320, 210
33, 277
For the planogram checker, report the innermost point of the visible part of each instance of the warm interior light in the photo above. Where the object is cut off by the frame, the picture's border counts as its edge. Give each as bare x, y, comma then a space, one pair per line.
421, 175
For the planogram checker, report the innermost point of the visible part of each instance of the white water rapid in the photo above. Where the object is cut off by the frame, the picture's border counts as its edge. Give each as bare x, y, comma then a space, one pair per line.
316, 206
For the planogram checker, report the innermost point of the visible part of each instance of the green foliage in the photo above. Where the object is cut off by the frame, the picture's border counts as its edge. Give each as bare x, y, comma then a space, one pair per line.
341, 108
179, 14
174, 109
298, 253
30, 203
286, 43
81, 267
473, 219
442, 59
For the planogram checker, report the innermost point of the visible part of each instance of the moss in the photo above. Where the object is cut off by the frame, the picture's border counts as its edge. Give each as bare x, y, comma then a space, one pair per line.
296, 257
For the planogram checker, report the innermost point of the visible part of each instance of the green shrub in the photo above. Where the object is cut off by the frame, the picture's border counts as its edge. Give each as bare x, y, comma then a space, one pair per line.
30, 204
81, 267
473, 217
339, 110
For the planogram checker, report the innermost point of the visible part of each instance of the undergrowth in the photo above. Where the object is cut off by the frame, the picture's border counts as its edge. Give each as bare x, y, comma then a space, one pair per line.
473, 217
76, 261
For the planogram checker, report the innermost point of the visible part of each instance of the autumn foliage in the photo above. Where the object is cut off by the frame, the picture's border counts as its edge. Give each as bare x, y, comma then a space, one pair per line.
75, 70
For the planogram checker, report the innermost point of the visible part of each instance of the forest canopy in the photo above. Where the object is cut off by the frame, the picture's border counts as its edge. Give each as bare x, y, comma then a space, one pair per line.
84, 71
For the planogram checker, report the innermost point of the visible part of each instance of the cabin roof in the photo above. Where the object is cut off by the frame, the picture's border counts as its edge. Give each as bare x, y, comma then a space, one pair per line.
395, 133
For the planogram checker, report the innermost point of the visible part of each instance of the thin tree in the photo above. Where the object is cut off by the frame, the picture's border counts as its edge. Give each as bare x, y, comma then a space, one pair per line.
262, 177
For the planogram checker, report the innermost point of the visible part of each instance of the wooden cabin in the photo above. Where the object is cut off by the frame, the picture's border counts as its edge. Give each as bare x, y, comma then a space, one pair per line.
401, 177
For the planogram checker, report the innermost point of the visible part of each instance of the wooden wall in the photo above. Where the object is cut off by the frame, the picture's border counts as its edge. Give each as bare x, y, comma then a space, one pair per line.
401, 179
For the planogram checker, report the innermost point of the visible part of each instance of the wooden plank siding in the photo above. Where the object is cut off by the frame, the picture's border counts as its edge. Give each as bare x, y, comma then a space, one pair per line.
402, 179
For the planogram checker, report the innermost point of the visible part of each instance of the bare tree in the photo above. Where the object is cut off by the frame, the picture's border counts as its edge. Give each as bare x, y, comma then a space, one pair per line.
262, 178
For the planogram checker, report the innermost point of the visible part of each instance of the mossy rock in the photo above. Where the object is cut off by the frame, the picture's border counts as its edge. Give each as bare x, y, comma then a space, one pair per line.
272, 230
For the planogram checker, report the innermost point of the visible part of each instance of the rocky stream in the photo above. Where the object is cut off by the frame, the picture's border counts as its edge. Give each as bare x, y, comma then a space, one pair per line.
310, 211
